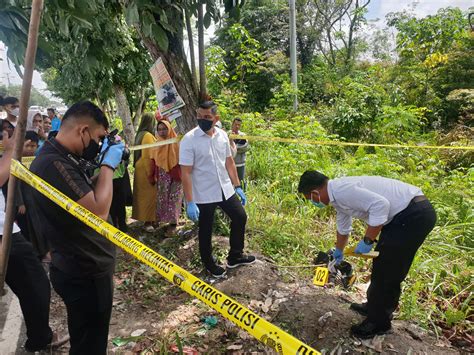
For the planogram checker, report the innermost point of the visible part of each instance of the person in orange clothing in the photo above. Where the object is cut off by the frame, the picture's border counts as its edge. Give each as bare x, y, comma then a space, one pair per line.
144, 190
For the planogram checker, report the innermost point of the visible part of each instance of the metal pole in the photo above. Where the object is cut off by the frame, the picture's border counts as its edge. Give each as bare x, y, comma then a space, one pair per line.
294, 74
20, 129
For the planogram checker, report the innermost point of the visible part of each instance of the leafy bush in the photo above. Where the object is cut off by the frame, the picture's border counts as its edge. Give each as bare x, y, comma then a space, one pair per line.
353, 112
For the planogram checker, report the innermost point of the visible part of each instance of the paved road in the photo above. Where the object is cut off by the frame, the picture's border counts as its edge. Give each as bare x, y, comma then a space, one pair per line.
12, 332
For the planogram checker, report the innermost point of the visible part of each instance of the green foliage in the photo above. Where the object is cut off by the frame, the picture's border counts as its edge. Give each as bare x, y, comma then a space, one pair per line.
399, 123
14, 23
244, 56
316, 83
36, 98
92, 54
216, 69
436, 57
353, 111
418, 39
289, 230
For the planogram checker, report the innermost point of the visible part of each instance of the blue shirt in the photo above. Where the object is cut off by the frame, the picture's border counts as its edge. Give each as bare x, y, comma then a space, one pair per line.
55, 124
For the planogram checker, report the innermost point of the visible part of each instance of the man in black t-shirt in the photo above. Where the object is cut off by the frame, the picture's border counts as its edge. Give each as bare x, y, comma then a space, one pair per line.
82, 260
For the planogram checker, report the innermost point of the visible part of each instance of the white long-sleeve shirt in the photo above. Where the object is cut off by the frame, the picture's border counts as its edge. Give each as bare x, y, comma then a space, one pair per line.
207, 155
373, 199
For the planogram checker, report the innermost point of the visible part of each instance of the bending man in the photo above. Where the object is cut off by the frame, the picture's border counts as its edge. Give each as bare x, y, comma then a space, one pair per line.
399, 212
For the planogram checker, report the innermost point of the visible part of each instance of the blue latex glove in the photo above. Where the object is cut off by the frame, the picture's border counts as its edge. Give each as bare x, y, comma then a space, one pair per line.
338, 255
192, 210
105, 144
363, 248
113, 156
241, 194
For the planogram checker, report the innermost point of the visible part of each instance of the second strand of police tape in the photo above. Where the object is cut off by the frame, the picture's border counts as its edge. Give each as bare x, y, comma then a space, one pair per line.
315, 142
261, 329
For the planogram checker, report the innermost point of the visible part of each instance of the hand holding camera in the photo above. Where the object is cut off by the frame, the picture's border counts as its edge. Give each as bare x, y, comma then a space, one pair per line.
113, 151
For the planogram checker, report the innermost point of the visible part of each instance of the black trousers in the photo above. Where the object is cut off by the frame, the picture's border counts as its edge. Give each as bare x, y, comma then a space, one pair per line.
28, 280
89, 307
232, 208
398, 244
117, 208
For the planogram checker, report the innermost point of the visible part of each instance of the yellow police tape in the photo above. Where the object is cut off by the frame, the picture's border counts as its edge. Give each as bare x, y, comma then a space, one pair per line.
314, 142
27, 160
261, 329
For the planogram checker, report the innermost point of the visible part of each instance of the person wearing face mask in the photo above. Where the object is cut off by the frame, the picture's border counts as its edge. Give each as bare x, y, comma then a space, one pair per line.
397, 213
210, 180
11, 106
82, 261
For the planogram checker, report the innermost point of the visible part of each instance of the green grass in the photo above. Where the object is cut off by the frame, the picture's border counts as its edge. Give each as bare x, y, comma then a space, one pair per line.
438, 290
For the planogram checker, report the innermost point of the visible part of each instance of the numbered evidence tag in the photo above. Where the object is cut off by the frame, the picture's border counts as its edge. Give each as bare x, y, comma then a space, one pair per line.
321, 276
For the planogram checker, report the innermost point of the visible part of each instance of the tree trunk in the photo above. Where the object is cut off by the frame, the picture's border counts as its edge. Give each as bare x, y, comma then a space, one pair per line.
140, 107
189, 29
123, 110
350, 40
175, 61
110, 109
202, 68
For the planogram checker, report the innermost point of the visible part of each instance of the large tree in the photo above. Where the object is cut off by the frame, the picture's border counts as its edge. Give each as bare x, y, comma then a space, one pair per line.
159, 26
96, 57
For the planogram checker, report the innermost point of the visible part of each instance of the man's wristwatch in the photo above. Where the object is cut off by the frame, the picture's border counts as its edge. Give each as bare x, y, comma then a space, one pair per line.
238, 186
368, 241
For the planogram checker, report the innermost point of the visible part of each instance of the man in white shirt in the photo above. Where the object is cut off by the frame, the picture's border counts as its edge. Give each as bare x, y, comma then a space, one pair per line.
399, 212
210, 180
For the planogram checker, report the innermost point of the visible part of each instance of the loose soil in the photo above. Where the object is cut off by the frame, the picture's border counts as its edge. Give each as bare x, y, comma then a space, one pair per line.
152, 316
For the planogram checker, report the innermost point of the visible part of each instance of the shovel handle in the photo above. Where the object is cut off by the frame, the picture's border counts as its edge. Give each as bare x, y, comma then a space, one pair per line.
370, 255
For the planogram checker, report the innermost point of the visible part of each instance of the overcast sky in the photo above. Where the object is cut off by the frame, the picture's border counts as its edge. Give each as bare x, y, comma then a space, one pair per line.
377, 10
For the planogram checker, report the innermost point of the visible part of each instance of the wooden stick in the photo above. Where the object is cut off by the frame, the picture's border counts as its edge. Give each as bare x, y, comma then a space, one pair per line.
370, 255
20, 129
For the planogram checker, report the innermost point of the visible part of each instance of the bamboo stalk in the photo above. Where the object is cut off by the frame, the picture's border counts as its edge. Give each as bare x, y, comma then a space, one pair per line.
30, 55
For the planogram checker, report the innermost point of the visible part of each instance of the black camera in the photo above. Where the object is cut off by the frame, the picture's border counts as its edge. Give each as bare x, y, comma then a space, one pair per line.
111, 138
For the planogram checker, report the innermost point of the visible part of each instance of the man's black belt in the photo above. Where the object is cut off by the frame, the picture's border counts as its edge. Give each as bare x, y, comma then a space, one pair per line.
417, 199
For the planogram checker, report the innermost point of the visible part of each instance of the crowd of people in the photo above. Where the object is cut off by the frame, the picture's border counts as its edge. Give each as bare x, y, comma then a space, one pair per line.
203, 172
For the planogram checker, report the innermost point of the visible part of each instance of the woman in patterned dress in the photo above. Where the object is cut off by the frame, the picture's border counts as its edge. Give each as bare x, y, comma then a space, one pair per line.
168, 178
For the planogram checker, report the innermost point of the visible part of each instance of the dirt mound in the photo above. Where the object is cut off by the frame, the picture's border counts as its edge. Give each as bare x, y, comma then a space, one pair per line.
322, 318
249, 282
164, 316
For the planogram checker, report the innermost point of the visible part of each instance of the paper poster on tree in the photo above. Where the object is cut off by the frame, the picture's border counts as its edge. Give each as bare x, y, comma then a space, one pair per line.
166, 93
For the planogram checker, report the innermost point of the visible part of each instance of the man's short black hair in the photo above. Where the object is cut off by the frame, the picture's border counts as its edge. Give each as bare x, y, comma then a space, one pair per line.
10, 100
311, 180
51, 110
32, 136
209, 104
86, 109
237, 119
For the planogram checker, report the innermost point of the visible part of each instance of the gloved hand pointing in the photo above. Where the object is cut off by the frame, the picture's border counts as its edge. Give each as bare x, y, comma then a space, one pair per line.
113, 154
192, 210
241, 194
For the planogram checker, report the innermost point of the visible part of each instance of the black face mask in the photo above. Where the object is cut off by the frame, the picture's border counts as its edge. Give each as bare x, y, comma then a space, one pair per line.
92, 150
205, 125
